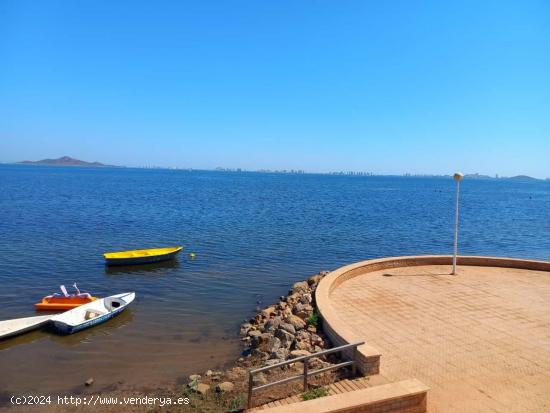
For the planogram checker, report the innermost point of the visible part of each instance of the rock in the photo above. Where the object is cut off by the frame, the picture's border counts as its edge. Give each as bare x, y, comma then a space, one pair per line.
255, 342
197, 386
225, 387
271, 362
288, 328
303, 335
317, 363
314, 279
305, 311
299, 353
274, 344
281, 354
208, 373
272, 324
266, 312
259, 340
202, 388
258, 353
255, 338
304, 315
89, 382
300, 287
245, 328
285, 337
236, 373
306, 299
293, 298
298, 307
301, 345
315, 339
259, 379
282, 305
254, 333
311, 329
195, 377
296, 322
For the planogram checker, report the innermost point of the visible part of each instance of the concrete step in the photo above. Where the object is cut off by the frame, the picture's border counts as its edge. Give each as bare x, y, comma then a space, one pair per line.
357, 396
339, 387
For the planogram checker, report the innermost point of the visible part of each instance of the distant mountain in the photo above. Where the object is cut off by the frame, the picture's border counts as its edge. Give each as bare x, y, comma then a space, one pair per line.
523, 178
65, 161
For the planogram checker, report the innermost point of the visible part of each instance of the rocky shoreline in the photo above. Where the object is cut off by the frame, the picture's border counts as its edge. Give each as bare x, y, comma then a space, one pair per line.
283, 331
290, 328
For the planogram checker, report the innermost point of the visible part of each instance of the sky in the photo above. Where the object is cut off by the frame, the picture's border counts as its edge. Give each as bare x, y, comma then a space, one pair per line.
382, 86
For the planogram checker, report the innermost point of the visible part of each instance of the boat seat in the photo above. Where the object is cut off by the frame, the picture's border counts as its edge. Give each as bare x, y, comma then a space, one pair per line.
81, 294
63, 294
64, 291
112, 304
91, 314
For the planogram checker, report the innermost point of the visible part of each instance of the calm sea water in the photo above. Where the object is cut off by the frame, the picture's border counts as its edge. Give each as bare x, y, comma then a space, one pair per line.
253, 235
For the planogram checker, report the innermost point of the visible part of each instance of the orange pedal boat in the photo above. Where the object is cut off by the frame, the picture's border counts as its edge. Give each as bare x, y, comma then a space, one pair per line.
64, 301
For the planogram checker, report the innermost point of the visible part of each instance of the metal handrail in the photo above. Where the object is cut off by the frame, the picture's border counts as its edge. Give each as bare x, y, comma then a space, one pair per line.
306, 373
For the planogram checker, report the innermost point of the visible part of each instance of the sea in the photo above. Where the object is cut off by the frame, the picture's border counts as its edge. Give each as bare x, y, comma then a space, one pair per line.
252, 235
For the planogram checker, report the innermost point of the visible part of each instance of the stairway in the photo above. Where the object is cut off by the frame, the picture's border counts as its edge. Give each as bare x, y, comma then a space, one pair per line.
338, 387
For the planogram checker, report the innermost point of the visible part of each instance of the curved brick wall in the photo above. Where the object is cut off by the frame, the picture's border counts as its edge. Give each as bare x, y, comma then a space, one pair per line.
340, 333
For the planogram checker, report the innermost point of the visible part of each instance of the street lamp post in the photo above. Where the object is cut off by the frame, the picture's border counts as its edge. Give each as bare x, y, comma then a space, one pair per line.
457, 177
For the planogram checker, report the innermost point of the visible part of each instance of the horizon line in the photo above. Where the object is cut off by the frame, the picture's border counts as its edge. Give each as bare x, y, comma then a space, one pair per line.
472, 175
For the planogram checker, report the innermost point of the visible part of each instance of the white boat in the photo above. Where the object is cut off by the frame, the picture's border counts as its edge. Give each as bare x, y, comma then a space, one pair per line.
10, 328
91, 314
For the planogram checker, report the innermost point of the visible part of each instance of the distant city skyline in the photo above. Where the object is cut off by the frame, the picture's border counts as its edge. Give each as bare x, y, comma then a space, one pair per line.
386, 88
71, 162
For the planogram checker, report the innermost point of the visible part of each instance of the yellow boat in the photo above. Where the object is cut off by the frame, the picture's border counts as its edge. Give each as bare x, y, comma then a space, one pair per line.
141, 256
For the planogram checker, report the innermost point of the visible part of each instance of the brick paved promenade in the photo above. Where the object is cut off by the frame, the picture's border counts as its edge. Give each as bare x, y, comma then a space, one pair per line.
479, 340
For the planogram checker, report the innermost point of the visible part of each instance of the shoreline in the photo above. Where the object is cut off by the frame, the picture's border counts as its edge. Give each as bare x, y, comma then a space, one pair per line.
277, 332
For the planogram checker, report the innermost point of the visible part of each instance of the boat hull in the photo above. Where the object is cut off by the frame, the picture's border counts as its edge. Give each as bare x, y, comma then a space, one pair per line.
62, 303
11, 328
140, 260
101, 310
66, 329
141, 256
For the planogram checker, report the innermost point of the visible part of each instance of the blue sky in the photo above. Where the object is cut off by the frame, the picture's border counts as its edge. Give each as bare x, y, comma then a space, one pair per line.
387, 87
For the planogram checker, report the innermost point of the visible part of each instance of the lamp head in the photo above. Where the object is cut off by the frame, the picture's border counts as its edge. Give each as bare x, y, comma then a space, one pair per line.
458, 176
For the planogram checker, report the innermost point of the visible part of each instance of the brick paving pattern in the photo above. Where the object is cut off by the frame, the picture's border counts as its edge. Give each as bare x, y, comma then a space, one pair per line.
480, 340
